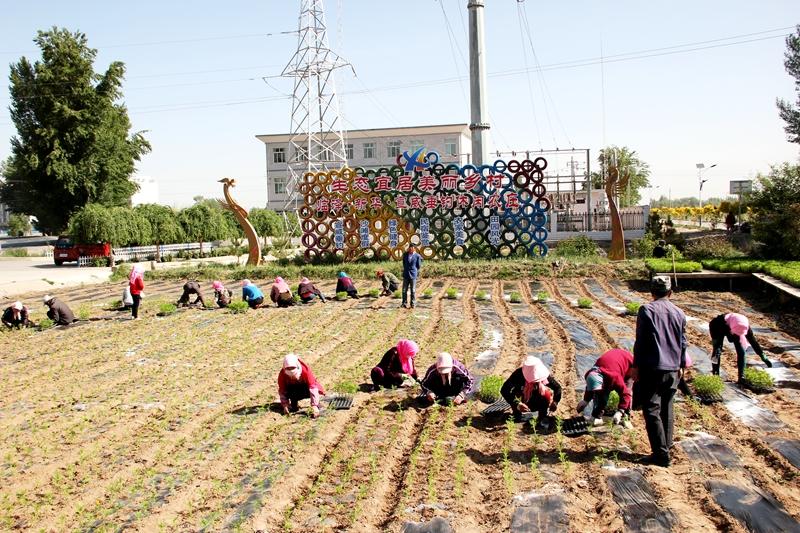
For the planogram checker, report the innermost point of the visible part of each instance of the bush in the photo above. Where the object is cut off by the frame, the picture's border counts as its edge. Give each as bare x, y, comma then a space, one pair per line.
710, 248
45, 323
515, 297
757, 378
613, 401
166, 309
542, 297
452, 293
374, 293
346, 387
643, 248
581, 246
15, 252
427, 293
238, 307
708, 385
584, 303
632, 308
489, 390
341, 296
665, 265
481, 295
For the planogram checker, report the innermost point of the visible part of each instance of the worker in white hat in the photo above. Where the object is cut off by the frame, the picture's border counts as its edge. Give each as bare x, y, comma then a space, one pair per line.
16, 316
447, 378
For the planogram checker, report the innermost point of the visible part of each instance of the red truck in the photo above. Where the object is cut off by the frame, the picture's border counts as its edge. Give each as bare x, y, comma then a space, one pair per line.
64, 250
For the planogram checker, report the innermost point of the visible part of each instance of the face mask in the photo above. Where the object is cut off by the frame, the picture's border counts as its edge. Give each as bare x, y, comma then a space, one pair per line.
293, 373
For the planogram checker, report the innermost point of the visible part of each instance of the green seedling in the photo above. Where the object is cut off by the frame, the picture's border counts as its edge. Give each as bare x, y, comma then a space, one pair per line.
489, 391
708, 385
346, 387
757, 378
584, 303
481, 295
542, 297
515, 297
166, 309
427, 293
374, 293
341, 296
238, 307
632, 308
508, 475
84, 312
613, 401
452, 293
45, 323
397, 294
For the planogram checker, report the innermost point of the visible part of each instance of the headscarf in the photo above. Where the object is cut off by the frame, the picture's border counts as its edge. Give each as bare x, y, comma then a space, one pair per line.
293, 362
406, 350
246, 282
304, 280
218, 286
17, 305
739, 326
342, 274
136, 272
379, 273
444, 365
535, 374
282, 286
46, 298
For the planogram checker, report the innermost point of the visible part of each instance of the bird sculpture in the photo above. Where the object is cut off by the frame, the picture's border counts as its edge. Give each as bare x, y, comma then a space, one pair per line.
254, 257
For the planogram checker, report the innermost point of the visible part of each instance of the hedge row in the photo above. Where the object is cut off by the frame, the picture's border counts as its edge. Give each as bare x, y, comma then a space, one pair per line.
666, 265
788, 271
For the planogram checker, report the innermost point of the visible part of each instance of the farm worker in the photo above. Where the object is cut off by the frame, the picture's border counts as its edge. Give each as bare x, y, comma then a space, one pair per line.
730, 221
447, 378
412, 263
280, 293
189, 288
127, 298
296, 382
389, 282
308, 291
532, 388
660, 250
222, 296
345, 284
58, 311
613, 371
136, 284
16, 316
252, 294
659, 358
395, 365
737, 329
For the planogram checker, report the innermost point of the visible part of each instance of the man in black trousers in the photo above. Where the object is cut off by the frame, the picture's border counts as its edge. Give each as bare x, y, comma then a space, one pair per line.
659, 355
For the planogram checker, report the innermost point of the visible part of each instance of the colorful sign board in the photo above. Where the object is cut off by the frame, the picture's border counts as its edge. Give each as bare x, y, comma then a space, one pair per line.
448, 211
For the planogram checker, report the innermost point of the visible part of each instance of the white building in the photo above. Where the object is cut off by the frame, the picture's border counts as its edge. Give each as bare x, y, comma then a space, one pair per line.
148, 191
371, 148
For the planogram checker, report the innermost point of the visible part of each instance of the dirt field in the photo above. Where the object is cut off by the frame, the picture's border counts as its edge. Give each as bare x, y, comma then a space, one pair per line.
168, 424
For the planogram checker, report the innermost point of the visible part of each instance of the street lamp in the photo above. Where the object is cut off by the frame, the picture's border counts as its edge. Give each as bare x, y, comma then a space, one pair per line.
700, 168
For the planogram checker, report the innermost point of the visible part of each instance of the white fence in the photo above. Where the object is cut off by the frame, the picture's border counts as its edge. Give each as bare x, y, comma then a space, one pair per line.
138, 253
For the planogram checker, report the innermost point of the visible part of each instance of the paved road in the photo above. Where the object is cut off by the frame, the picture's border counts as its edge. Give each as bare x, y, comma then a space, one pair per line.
26, 274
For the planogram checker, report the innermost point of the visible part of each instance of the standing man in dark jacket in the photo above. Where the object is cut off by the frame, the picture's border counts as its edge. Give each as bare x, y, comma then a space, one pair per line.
659, 355
58, 311
412, 263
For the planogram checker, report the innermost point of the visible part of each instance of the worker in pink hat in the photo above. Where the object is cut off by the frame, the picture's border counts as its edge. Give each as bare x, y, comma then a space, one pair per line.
297, 382
395, 365
532, 388
16, 316
222, 296
447, 378
737, 329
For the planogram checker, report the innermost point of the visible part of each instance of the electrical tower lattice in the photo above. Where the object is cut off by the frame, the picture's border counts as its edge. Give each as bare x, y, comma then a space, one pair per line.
317, 142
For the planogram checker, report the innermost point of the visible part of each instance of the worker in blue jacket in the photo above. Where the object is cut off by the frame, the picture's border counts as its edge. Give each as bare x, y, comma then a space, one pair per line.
252, 294
412, 263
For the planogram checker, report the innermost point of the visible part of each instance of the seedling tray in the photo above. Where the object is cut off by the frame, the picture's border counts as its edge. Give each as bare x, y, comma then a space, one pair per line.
497, 408
339, 401
575, 426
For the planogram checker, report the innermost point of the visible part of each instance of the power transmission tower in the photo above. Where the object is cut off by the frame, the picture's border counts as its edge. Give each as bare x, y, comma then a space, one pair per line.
316, 143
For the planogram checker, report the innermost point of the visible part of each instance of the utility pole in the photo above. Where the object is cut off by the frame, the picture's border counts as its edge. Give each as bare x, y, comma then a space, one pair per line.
477, 82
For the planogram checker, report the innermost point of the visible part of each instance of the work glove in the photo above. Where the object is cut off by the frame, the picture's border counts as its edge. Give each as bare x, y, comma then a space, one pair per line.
598, 422
458, 400
617, 418
523, 408
582, 405
431, 397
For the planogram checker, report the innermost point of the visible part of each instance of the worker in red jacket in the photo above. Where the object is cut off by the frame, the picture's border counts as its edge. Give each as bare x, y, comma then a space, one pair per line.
611, 372
136, 284
296, 382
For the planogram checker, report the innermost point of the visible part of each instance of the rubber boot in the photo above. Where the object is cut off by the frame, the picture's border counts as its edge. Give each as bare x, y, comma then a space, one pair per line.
715, 369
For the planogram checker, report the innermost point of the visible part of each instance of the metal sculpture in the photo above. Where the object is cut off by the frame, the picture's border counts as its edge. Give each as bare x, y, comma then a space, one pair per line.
614, 184
254, 257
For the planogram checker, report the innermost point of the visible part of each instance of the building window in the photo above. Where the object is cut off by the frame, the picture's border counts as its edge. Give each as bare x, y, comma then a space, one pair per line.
450, 147
279, 184
348, 151
278, 155
393, 149
325, 154
369, 150
300, 154
415, 145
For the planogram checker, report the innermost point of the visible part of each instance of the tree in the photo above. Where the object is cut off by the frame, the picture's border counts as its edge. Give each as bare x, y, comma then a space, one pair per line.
72, 146
776, 211
788, 112
203, 222
18, 225
630, 168
164, 225
266, 222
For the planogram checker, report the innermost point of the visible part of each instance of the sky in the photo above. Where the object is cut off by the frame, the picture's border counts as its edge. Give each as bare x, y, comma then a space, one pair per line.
681, 82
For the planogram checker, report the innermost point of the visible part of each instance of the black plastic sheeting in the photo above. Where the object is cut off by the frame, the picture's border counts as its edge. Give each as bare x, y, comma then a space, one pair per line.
623, 289
637, 503
748, 412
597, 291
583, 363
705, 448
756, 510
487, 358
437, 525
536, 338
788, 448
541, 513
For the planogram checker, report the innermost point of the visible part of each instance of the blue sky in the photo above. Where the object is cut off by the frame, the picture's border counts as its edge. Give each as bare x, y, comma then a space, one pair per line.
194, 82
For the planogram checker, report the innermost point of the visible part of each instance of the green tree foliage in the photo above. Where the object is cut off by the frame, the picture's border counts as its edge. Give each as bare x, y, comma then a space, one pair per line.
164, 225
121, 226
630, 166
776, 211
18, 225
788, 112
266, 222
203, 222
72, 146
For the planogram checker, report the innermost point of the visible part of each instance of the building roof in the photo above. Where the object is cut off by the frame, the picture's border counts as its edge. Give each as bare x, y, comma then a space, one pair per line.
379, 132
